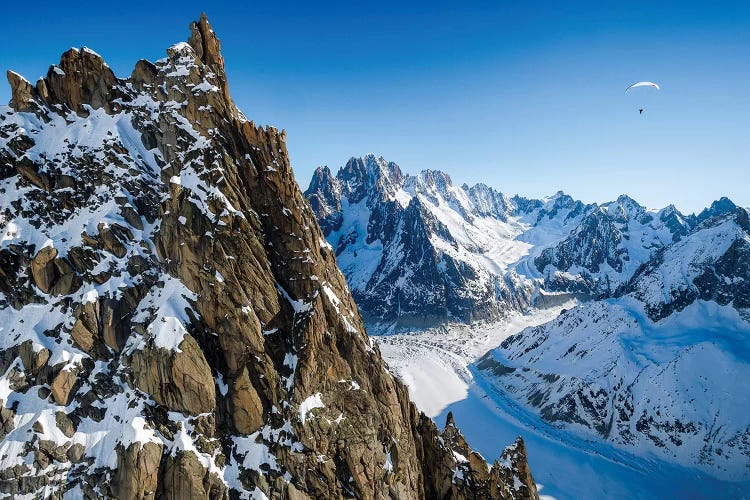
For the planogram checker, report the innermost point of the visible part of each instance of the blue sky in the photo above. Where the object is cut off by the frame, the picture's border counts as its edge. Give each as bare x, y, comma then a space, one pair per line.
527, 96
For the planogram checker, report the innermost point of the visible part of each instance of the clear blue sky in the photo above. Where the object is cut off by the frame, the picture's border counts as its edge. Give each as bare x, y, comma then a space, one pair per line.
525, 96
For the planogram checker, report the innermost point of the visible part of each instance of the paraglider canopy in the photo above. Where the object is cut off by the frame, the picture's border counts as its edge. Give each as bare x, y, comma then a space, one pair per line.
643, 84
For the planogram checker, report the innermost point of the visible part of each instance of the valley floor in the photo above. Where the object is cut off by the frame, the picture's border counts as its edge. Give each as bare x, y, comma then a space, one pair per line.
436, 366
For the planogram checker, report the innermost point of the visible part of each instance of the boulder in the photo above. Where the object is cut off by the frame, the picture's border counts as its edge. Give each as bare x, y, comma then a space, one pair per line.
64, 385
43, 268
53, 274
185, 478
65, 424
6, 421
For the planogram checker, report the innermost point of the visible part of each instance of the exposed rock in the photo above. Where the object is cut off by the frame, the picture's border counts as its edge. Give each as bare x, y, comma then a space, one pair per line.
137, 471
43, 268
185, 477
105, 322
82, 78
6, 421
33, 360
52, 274
515, 473
83, 334
145, 72
76, 452
21, 91
64, 385
181, 381
110, 239
65, 424
247, 409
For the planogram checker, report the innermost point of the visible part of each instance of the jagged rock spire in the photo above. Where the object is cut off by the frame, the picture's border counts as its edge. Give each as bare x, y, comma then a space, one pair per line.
207, 48
204, 42
21, 89
82, 78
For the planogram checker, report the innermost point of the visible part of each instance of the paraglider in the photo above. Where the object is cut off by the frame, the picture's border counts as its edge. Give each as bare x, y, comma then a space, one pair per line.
642, 84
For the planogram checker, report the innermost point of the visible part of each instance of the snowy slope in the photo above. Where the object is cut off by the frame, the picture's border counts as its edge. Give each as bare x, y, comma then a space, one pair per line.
655, 370
439, 368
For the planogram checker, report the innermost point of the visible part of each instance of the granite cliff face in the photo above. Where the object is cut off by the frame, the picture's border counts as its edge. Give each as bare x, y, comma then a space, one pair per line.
172, 321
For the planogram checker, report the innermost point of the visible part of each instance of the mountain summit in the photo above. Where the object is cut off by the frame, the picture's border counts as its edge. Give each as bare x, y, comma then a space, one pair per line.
172, 321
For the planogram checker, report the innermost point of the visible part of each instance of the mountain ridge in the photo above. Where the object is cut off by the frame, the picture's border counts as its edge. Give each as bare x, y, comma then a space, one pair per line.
174, 323
652, 367
478, 241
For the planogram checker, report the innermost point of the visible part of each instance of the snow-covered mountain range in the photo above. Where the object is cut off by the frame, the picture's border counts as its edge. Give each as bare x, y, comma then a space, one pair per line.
418, 250
657, 368
647, 359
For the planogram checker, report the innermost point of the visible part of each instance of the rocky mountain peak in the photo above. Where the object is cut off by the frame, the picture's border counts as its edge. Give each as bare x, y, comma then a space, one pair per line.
82, 78
625, 209
204, 42
207, 48
22, 92
175, 324
675, 221
561, 202
719, 207
361, 178
488, 202
429, 181
324, 196
322, 180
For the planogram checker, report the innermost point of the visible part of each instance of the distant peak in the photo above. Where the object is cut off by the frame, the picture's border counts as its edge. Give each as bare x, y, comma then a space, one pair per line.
719, 207
723, 202
322, 170
435, 178
623, 198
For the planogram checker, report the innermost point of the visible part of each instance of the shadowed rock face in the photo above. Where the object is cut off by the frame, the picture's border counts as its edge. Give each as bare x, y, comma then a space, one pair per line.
187, 331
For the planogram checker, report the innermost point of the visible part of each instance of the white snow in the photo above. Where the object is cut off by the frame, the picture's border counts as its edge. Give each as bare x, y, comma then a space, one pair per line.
436, 365
168, 333
90, 296
165, 307
388, 465
299, 306
310, 404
